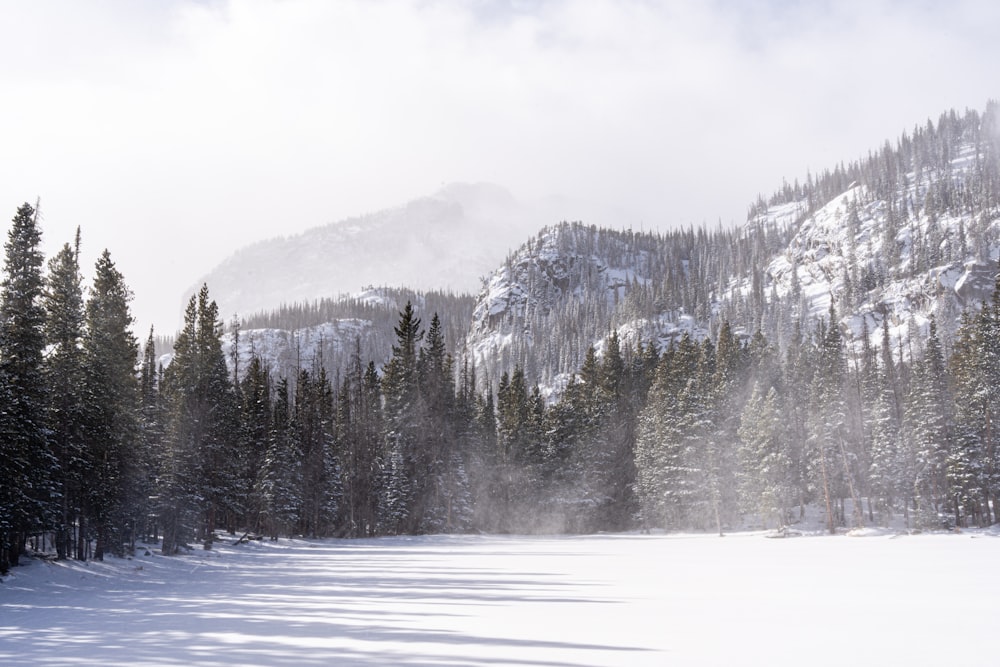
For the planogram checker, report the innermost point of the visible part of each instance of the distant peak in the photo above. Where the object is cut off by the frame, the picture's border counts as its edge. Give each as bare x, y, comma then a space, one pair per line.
476, 194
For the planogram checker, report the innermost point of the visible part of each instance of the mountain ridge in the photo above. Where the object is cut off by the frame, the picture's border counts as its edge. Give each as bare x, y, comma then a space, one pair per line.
911, 231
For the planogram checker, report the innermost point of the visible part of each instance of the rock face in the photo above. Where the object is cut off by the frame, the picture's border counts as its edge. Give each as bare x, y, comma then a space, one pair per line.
562, 292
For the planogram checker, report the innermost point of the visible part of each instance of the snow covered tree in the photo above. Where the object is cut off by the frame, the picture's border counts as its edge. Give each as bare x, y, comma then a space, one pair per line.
151, 427
64, 372
199, 467
928, 428
27, 496
833, 466
886, 456
116, 491
254, 436
400, 388
358, 422
313, 430
765, 472
278, 484
663, 486
968, 464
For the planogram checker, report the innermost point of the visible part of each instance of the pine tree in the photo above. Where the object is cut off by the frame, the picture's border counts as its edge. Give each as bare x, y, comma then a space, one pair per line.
64, 373
312, 427
278, 484
665, 488
361, 429
518, 466
827, 425
117, 493
199, 468
400, 388
27, 495
765, 479
437, 455
151, 427
216, 398
255, 431
966, 470
929, 429
884, 474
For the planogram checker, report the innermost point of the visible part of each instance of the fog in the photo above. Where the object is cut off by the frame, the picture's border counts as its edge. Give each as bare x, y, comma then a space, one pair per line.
174, 133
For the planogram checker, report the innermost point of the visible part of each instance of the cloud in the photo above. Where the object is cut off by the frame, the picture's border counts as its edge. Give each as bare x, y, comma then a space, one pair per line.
176, 132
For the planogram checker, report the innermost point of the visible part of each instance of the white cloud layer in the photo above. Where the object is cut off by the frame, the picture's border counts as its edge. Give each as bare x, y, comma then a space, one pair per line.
175, 132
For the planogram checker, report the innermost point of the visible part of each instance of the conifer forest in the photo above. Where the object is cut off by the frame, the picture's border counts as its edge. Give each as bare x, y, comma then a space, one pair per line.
604, 380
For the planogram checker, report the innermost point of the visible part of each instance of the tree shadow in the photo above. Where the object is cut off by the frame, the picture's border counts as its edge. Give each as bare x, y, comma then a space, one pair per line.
328, 603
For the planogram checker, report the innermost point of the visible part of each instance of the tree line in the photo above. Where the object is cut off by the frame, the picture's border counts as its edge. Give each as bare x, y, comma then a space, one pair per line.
102, 447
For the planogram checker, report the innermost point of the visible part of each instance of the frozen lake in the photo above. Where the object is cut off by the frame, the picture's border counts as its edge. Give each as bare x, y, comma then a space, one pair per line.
556, 601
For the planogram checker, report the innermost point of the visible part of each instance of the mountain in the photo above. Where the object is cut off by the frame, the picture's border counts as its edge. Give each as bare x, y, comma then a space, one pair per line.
446, 241
909, 232
563, 290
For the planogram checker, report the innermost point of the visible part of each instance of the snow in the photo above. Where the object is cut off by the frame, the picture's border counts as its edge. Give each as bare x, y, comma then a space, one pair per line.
877, 599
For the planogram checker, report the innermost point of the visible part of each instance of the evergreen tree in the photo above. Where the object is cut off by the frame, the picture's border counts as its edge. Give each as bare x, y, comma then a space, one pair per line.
312, 426
27, 495
439, 472
64, 373
827, 426
151, 426
278, 484
967, 465
199, 469
117, 492
358, 441
884, 474
929, 427
400, 388
765, 481
255, 433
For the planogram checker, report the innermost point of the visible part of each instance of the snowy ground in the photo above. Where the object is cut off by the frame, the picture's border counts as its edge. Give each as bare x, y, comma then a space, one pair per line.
628, 600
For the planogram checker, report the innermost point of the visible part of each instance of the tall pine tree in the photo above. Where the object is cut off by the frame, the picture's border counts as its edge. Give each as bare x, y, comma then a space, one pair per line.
27, 496
117, 494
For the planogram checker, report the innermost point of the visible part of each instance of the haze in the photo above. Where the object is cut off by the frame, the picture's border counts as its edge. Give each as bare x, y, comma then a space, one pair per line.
176, 132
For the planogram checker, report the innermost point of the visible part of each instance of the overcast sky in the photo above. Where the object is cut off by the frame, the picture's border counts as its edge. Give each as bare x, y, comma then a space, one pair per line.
173, 132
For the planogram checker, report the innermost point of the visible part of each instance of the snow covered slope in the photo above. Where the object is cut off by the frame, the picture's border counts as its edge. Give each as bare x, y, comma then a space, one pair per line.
332, 332
876, 258
561, 292
285, 350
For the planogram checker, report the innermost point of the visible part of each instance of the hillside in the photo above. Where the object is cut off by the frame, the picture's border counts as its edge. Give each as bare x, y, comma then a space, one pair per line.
914, 233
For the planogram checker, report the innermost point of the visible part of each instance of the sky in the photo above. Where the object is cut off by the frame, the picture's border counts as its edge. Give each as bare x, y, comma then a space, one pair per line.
174, 132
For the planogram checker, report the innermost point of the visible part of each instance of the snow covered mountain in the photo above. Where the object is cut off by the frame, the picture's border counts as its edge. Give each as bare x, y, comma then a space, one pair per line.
562, 291
911, 231
446, 241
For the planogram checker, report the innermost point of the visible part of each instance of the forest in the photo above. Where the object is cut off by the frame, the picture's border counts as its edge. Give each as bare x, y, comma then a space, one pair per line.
764, 410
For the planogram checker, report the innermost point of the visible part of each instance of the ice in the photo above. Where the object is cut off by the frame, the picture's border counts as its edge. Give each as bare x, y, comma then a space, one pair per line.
633, 600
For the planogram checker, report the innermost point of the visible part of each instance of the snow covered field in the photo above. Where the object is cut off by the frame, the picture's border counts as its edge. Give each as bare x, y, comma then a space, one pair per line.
627, 600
